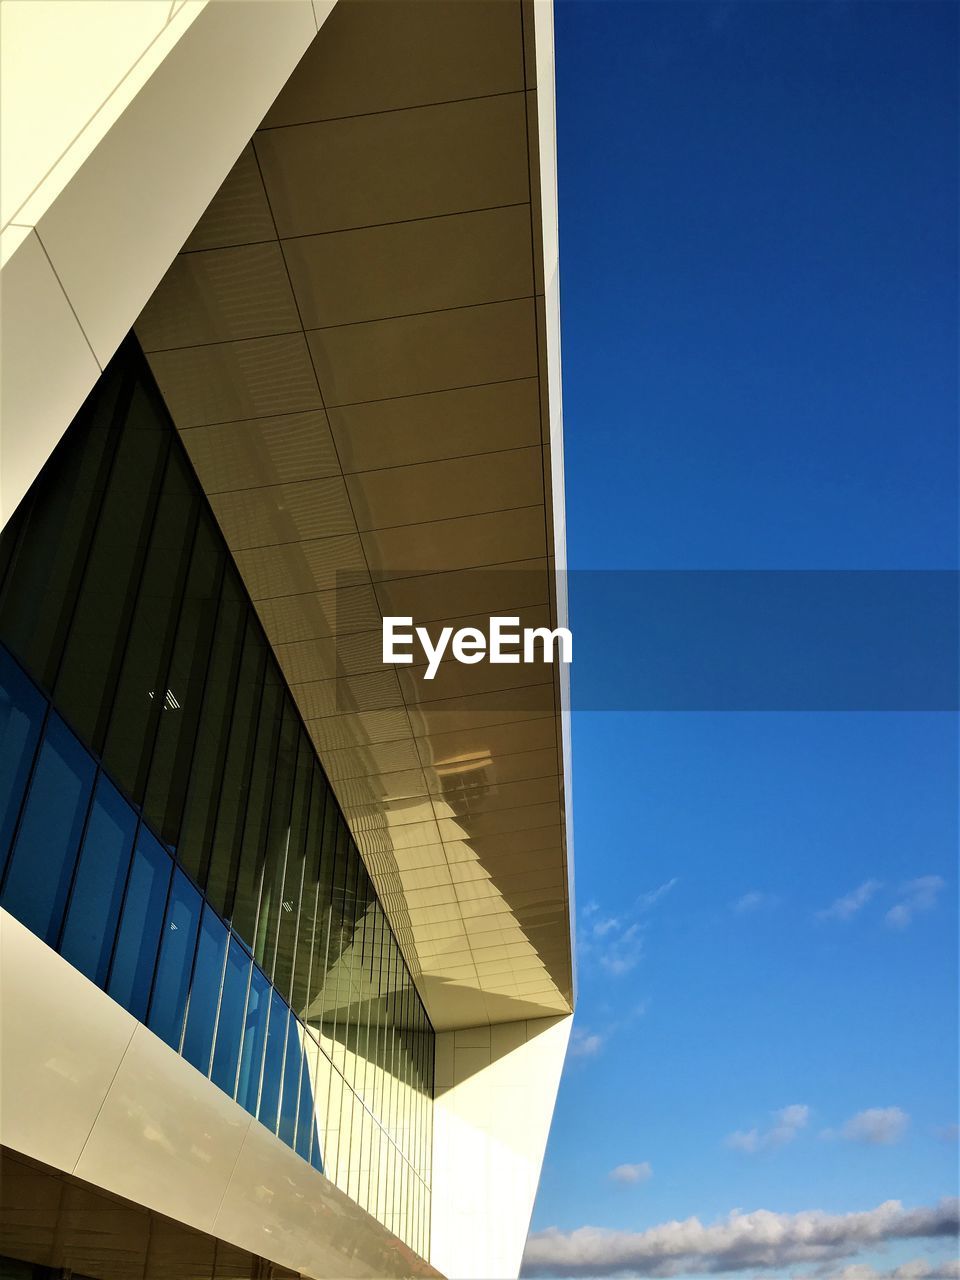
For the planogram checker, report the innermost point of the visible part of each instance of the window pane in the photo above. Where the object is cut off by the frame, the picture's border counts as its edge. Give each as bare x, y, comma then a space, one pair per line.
180, 712
177, 946
140, 923
142, 689
98, 888
58, 518
273, 1063
233, 999
43, 858
250, 870
278, 839
98, 632
205, 991
306, 1111
254, 1037
210, 753
21, 715
290, 1099
232, 801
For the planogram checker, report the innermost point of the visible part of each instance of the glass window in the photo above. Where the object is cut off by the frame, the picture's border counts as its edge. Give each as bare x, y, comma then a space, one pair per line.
233, 1000
277, 849
141, 920
43, 859
59, 513
250, 869
21, 715
306, 1109
205, 992
142, 692
254, 1038
292, 1066
98, 633
177, 945
210, 753
94, 909
180, 711
273, 1063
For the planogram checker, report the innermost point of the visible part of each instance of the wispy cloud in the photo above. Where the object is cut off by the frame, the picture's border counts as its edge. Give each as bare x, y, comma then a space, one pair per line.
851, 903
877, 1127
615, 942
630, 1174
755, 900
917, 1269
740, 1242
585, 1044
787, 1123
916, 896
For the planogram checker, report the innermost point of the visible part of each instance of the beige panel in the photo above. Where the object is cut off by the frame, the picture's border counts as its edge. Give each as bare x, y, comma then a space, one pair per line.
218, 295
453, 488
434, 352
278, 450
120, 220
239, 213
36, 319
235, 380
396, 166
379, 57
286, 513
445, 424
56, 1071
194, 1132
465, 542
408, 267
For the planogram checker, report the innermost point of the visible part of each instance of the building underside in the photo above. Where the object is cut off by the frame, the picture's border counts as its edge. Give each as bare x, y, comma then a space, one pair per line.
280, 341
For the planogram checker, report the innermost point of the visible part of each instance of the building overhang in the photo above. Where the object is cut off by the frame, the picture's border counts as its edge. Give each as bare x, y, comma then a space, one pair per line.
359, 345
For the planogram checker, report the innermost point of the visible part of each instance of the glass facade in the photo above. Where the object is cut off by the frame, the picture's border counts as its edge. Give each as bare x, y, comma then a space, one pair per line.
165, 822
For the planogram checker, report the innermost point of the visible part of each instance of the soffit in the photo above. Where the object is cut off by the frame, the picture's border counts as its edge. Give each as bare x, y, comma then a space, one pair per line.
352, 345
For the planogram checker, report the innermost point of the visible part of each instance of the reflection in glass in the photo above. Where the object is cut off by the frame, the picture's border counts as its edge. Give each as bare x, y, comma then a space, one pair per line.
21, 715
233, 999
178, 941
131, 974
98, 888
49, 833
205, 991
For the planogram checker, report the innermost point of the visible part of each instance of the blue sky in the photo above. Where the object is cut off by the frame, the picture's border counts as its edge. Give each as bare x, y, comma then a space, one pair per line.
759, 314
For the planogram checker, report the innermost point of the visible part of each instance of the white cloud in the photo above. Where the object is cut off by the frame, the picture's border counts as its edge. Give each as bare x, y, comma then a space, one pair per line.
916, 1269
631, 1173
615, 943
585, 1044
916, 896
755, 900
851, 903
740, 1242
877, 1126
787, 1123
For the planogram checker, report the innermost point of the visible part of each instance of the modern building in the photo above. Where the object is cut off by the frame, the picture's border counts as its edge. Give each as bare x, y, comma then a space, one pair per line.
286, 965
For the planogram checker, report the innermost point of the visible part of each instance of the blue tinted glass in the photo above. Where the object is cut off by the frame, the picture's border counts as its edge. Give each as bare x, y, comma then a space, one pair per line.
316, 1157
230, 1021
98, 889
290, 1098
177, 946
254, 1035
306, 1111
140, 925
205, 991
273, 1063
42, 862
21, 714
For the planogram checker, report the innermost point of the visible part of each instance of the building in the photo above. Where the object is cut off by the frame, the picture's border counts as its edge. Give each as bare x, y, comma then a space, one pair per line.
286, 963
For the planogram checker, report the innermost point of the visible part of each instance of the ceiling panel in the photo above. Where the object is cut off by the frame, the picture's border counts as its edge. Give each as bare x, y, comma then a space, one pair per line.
349, 345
